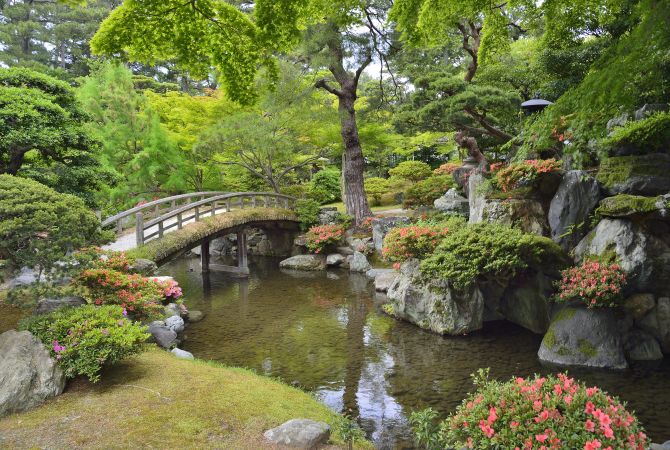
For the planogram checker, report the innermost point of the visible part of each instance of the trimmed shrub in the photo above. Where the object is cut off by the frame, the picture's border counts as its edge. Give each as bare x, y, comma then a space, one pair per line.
524, 173
540, 412
411, 170
446, 168
84, 339
308, 213
139, 296
489, 251
321, 237
425, 192
38, 225
325, 186
594, 283
416, 241
375, 187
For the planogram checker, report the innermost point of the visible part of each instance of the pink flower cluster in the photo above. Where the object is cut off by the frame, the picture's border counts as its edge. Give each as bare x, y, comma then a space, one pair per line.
515, 174
413, 241
319, 237
594, 283
171, 290
543, 413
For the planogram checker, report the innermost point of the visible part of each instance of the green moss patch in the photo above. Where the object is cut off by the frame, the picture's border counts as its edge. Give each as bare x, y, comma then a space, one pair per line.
155, 400
587, 349
650, 135
618, 169
624, 205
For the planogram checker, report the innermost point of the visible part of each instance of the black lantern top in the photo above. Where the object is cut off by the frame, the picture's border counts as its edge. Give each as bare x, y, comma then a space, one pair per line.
535, 105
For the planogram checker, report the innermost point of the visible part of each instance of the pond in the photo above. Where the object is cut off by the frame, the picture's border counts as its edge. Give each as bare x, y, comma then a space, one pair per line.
325, 333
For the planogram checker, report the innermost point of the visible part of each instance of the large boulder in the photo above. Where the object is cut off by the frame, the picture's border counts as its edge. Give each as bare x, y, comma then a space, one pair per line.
384, 279
569, 210
644, 256
583, 337
162, 335
453, 203
304, 262
525, 302
637, 175
299, 433
657, 322
525, 214
334, 260
47, 305
476, 199
641, 346
382, 225
359, 263
28, 374
143, 267
434, 304
175, 323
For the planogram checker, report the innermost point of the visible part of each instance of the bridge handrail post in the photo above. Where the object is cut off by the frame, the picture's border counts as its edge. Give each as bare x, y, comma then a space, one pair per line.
139, 228
197, 213
179, 221
160, 229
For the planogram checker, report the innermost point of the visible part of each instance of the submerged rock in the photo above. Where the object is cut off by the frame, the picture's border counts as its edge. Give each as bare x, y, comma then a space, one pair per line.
195, 316
299, 433
583, 337
576, 198
28, 374
433, 304
304, 262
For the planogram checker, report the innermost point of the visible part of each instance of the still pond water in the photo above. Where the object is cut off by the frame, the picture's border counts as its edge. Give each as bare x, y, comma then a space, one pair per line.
325, 333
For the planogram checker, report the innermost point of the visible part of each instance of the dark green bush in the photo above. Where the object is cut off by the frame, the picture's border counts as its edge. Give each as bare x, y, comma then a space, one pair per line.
489, 251
425, 192
325, 186
84, 339
38, 225
308, 213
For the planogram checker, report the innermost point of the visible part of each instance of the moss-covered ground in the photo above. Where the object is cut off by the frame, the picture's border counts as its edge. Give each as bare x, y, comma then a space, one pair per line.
155, 400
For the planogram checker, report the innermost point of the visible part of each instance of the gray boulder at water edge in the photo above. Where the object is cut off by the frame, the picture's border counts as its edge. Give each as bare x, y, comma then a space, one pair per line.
433, 304
576, 197
384, 278
175, 323
382, 225
28, 374
162, 335
181, 354
299, 433
47, 305
657, 322
304, 262
334, 260
583, 337
359, 263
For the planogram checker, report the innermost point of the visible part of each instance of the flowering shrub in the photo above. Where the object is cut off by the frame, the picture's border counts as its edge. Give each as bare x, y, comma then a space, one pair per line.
366, 224
446, 169
171, 289
594, 283
84, 339
414, 241
524, 173
320, 237
97, 258
553, 412
140, 296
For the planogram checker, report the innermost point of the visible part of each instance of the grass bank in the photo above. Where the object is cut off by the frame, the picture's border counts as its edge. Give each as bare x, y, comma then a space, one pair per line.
155, 400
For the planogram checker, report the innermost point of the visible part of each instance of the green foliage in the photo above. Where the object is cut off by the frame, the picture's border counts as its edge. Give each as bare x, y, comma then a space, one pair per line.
618, 169
86, 338
325, 186
38, 225
308, 213
650, 135
553, 409
489, 251
411, 170
425, 192
376, 187
349, 431
624, 205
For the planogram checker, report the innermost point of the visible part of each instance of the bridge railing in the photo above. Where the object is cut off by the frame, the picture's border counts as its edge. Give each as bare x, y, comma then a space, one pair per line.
146, 230
156, 207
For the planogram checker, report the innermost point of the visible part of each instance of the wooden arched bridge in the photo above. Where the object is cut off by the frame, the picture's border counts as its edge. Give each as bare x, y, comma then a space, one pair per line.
165, 228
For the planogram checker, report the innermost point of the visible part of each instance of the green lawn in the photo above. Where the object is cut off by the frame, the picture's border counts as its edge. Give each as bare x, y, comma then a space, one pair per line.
340, 207
155, 400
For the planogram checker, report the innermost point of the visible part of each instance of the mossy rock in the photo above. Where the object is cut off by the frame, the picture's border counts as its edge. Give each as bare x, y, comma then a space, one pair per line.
637, 175
626, 205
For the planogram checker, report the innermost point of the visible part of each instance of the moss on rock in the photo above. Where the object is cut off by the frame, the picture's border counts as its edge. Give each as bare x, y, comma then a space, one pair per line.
625, 205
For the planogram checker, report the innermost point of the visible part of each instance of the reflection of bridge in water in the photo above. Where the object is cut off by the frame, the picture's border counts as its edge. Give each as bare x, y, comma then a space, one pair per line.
168, 227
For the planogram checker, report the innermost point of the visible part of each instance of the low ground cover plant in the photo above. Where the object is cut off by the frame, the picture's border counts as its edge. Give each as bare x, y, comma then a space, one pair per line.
594, 283
323, 236
553, 412
84, 339
489, 251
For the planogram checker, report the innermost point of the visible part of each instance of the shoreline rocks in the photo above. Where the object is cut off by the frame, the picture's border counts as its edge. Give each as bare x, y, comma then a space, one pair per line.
299, 433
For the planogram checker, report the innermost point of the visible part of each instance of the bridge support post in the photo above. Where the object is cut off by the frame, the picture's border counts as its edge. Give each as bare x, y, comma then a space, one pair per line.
139, 229
242, 261
204, 256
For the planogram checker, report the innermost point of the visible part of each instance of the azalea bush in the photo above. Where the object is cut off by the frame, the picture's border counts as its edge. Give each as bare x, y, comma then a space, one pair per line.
97, 258
524, 173
594, 283
553, 412
416, 241
446, 168
320, 237
139, 296
86, 338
